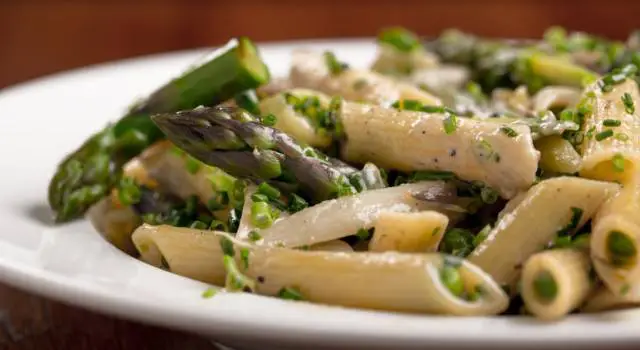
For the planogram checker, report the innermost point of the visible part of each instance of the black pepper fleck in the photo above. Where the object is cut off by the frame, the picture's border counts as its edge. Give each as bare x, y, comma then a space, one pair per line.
453, 152
435, 160
260, 279
424, 132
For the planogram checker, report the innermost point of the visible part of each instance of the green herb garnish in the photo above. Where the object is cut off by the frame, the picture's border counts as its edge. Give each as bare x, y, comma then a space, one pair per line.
603, 135
290, 293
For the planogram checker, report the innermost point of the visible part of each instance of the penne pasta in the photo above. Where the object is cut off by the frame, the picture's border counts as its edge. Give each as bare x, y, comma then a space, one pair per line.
554, 97
115, 223
294, 122
554, 205
417, 232
344, 216
616, 239
309, 70
557, 155
409, 141
611, 147
187, 252
383, 281
555, 282
604, 299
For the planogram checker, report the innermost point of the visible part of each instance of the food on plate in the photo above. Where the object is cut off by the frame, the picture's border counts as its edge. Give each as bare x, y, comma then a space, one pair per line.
456, 175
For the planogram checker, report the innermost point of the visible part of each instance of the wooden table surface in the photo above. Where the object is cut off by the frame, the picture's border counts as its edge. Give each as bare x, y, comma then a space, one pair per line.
44, 36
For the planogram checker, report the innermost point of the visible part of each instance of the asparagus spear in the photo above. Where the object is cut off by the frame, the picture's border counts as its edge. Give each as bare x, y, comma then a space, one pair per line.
509, 63
235, 141
88, 173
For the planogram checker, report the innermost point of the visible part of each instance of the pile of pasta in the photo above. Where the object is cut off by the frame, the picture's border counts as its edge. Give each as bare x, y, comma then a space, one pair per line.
588, 195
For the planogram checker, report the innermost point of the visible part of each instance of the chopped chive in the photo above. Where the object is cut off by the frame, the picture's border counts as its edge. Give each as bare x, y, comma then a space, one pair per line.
335, 67
435, 230
618, 163
268, 190
611, 122
297, 203
566, 115
450, 277
450, 124
622, 137
590, 132
254, 236
622, 249
363, 234
604, 135
258, 197
209, 293
227, 246
508, 131
129, 192
545, 286
561, 242
481, 236
269, 120
244, 257
235, 280
488, 195
627, 100
399, 38
261, 215
576, 216
290, 293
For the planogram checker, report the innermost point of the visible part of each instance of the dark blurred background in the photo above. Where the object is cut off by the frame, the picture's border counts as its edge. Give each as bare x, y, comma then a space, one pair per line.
44, 36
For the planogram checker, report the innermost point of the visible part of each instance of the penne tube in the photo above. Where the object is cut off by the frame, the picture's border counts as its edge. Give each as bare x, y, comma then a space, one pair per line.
344, 216
552, 206
169, 167
115, 223
410, 141
553, 97
184, 251
417, 232
383, 281
557, 155
421, 283
310, 70
293, 122
611, 147
615, 241
555, 282
604, 299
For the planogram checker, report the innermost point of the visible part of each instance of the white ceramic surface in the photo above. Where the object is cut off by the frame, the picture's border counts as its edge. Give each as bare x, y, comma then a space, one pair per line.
42, 120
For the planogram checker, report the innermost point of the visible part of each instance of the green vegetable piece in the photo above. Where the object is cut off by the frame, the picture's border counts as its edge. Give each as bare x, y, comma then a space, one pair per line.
82, 178
450, 277
261, 215
545, 287
290, 293
622, 250
399, 38
236, 281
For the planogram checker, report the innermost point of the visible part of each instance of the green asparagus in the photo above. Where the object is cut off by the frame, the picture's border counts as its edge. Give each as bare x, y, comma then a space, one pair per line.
234, 140
88, 173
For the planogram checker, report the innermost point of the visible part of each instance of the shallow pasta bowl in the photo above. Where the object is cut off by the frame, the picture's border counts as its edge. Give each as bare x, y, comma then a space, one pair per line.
41, 121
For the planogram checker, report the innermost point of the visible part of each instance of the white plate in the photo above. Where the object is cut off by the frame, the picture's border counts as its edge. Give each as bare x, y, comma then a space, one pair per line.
41, 121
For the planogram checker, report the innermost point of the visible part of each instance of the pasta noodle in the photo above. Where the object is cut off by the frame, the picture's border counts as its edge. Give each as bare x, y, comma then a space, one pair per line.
411, 141
604, 299
610, 149
615, 241
548, 204
330, 277
309, 70
344, 216
418, 232
555, 282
